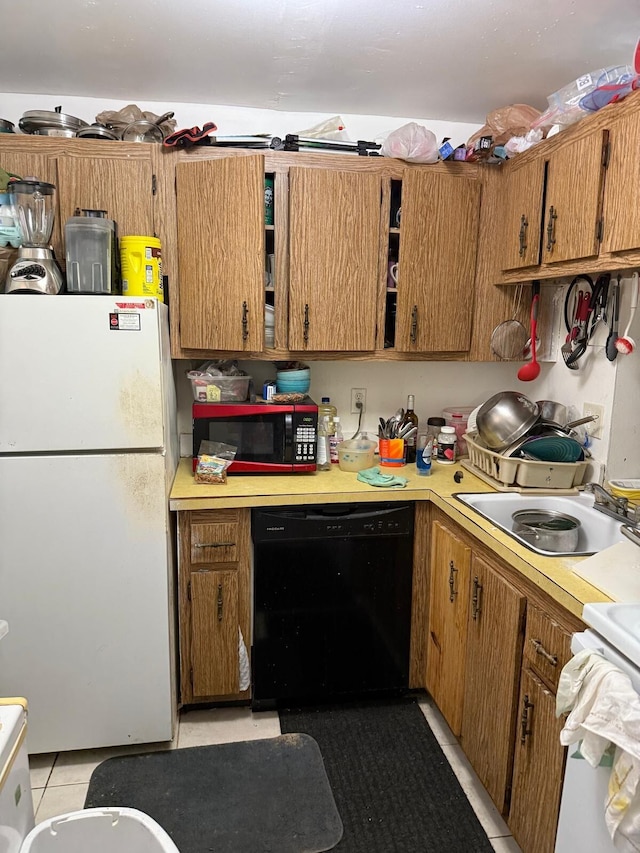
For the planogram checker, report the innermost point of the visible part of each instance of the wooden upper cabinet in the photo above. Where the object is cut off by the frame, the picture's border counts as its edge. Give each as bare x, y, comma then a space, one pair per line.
523, 194
437, 262
221, 253
449, 565
494, 655
573, 203
123, 187
334, 259
621, 213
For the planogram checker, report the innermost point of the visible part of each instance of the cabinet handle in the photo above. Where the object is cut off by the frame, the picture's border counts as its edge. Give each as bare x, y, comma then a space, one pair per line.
551, 229
245, 321
305, 325
522, 236
476, 608
452, 573
540, 650
219, 602
414, 324
524, 719
214, 544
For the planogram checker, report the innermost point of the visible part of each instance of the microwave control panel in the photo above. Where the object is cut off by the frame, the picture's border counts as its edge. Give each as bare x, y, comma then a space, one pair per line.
304, 440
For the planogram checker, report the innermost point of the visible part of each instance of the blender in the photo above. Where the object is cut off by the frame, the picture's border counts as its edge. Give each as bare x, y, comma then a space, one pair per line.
36, 270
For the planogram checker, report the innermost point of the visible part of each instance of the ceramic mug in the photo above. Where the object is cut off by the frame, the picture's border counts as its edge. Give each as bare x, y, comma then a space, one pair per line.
392, 275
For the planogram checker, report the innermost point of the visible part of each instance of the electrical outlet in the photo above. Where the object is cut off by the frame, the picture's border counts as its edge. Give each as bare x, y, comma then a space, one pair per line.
595, 428
358, 395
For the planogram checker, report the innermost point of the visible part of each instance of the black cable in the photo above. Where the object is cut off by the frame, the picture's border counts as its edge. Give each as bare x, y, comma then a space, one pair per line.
361, 407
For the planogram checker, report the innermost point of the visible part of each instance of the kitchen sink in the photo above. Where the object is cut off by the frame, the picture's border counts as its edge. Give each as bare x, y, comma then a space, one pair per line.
617, 623
597, 532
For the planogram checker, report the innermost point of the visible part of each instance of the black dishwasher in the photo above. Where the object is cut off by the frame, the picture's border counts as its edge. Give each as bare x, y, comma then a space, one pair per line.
332, 601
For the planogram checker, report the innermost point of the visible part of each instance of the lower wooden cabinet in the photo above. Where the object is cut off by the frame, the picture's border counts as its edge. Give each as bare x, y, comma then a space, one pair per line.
539, 759
496, 645
450, 563
494, 654
214, 577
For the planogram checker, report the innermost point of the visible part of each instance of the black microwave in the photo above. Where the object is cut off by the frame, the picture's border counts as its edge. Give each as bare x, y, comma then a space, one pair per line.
271, 438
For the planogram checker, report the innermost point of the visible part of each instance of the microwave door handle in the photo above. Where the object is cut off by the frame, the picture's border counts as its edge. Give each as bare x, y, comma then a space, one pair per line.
288, 437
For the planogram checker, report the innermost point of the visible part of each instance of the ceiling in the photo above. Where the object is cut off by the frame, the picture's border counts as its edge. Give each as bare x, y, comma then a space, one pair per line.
453, 60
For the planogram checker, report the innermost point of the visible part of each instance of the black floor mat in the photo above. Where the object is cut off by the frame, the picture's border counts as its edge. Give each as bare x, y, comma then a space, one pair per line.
394, 788
261, 796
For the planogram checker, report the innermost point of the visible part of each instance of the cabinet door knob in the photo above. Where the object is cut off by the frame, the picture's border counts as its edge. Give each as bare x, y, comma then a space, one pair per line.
452, 580
219, 602
305, 324
522, 235
414, 324
551, 229
524, 718
245, 321
540, 650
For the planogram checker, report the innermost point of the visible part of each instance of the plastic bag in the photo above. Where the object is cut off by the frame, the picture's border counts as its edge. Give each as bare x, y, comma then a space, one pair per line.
411, 142
518, 144
332, 128
214, 457
119, 119
565, 105
503, 123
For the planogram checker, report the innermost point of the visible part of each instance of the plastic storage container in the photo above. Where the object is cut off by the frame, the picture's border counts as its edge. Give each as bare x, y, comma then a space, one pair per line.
91, 253
16, 805
100, 831
457, 417
141, 266
356, 454
218, 389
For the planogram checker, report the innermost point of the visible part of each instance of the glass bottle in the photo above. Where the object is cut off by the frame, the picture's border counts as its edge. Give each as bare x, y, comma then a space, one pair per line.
323, 453
334, 440
410, 419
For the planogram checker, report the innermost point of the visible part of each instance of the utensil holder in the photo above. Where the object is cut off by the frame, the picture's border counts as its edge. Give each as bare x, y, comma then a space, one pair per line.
393, 452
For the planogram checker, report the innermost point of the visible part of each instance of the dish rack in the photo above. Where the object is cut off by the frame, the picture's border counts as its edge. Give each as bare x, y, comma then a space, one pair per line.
513, 471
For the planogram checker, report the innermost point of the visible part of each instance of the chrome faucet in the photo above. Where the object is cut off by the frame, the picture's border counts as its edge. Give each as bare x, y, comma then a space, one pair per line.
613, 506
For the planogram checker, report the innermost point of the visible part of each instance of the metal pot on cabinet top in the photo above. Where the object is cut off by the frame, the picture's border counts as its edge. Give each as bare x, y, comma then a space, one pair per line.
48, 123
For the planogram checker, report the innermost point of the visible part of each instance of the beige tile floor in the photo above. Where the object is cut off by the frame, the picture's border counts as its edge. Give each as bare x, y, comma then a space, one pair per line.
59, 781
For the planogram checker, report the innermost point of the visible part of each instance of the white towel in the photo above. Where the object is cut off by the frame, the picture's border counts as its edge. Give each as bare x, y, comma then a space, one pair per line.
606, 709
245, 669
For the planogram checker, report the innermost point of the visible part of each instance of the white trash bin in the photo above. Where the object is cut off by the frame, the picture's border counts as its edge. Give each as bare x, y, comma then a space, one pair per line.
114, 830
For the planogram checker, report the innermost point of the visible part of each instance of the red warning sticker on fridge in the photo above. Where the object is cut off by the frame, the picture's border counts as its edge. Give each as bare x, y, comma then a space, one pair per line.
129, 306
120, 322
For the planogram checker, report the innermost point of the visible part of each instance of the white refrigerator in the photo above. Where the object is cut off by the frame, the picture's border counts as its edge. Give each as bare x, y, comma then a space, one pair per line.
88, 451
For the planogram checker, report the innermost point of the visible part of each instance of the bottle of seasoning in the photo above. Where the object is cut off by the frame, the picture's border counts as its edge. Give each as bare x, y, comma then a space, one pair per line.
447, 445
410, 419
433, 429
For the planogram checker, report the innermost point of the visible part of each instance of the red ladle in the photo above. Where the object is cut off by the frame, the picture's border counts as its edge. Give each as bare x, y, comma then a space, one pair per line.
531, 370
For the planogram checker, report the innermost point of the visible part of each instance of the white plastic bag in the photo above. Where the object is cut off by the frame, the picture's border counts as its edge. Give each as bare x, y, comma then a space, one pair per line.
331, 128
411, 142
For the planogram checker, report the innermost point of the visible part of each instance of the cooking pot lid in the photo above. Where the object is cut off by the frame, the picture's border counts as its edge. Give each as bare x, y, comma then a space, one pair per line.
97, 131
33, 120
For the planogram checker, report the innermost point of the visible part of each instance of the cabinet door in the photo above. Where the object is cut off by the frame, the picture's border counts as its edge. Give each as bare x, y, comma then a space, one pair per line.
436, 264
574, 200
122, 187
538, 769
449, 566
494, 654
214, 637
523, 215
221, 253
621, 214
334, 263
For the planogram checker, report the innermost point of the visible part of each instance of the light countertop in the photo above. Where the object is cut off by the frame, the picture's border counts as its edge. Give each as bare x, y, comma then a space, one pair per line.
552, 574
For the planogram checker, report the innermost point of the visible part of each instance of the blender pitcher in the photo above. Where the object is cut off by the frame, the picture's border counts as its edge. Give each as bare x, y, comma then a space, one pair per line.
36, 270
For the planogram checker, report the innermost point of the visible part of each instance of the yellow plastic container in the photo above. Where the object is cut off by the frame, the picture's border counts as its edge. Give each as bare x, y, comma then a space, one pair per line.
141, 267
